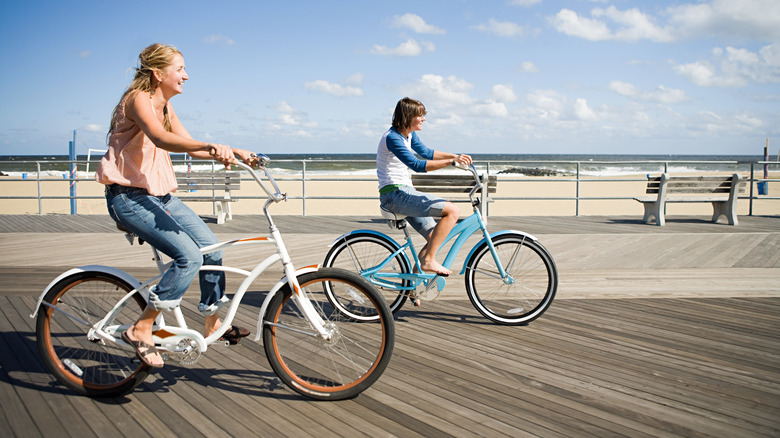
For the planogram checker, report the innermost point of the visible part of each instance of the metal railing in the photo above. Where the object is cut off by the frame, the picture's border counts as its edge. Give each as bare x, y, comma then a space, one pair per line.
576, 176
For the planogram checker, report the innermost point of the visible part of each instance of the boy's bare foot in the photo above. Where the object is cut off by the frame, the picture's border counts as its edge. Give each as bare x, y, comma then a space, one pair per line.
435, 267
414, 299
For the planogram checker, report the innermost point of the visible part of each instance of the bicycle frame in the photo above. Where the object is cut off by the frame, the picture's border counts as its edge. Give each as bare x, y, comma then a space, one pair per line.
463, 230
110, 333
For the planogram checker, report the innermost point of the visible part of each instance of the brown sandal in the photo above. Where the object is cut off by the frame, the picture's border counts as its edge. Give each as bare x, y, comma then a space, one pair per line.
137, 345
234, 334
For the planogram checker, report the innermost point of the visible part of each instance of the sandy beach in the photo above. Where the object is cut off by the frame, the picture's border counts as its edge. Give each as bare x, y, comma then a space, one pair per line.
91, 199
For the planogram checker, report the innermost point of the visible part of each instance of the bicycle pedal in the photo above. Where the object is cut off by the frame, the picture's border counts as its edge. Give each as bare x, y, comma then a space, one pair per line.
431, 283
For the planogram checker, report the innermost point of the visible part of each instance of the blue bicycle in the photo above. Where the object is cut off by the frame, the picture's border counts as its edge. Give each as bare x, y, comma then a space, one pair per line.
510, 277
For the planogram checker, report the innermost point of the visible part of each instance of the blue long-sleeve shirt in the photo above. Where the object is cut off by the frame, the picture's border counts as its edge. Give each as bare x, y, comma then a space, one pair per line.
395, 155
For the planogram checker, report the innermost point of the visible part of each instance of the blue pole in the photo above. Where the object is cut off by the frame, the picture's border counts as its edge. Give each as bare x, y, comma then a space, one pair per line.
766, 167
72, 156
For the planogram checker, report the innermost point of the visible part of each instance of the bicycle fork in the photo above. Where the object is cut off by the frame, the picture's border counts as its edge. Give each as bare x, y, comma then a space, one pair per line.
302, 301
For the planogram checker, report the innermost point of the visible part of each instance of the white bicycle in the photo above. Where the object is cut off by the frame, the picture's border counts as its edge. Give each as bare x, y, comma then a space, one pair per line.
315, 349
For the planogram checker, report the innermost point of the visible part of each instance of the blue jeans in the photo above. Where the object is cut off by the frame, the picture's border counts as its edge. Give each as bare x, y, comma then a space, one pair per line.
418, 207
176, 231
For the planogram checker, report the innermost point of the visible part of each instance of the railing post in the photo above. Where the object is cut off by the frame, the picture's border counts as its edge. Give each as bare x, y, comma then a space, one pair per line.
577, 201
38, 178
213, 192
72, 175
303, 186
752, 179
486, 194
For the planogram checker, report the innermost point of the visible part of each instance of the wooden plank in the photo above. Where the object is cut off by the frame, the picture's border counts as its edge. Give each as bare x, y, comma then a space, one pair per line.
208, 186
462, 180
695, 184
640, 367
447, 189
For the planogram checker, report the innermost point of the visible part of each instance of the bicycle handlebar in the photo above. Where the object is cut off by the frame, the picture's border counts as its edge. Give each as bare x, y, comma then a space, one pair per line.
477, 181
262, 161
276, 195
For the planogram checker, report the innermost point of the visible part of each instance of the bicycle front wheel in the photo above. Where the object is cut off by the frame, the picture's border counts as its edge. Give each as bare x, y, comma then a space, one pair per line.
354, 354
71, 352
528, 289
361, 251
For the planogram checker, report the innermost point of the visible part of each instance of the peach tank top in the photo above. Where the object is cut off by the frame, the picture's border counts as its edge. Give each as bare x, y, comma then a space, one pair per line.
133, 160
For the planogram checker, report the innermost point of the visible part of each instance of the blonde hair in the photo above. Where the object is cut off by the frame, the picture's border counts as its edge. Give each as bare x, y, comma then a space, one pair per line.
405, 111
156, 57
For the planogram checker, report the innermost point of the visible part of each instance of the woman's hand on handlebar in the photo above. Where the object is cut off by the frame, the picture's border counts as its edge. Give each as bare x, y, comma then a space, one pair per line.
222, 153
227, 156
249, 158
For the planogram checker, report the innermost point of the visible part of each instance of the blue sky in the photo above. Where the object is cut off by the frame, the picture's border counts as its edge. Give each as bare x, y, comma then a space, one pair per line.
506, 76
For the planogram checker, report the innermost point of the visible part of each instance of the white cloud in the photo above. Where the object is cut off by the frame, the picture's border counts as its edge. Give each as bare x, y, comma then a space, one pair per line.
529, 67
408, 48
450, 103
290, 117
632, 25
525, 3
284, 107
547, 102
583, 111
218, 39
442, 91
554, 109
488, 108
84, 54
753, 19
355, 79
748, 121
93, 127
334, 89
660, 94
501, 28
504, 93
416, 23
732, 67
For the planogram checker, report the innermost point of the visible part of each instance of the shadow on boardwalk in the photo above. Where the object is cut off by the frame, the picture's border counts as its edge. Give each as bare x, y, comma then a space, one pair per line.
639, 367
588, 367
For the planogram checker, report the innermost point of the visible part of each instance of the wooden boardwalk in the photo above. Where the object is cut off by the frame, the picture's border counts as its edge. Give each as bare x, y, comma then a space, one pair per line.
649, 344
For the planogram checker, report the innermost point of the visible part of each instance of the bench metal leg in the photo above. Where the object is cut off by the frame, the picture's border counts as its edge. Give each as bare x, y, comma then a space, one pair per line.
725, 208
224, 213
653, 210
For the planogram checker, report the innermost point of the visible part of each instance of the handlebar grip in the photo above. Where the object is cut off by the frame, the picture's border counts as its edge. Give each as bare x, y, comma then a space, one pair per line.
460, 165
213, 152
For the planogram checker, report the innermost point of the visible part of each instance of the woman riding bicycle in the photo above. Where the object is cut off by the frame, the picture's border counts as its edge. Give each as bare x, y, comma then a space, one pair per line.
395, 156
139, 179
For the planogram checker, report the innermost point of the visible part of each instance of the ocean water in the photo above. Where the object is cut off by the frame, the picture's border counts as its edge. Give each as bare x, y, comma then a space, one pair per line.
364, 164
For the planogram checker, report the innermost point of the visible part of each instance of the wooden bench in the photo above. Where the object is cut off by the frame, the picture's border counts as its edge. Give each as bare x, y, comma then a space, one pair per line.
443, 183
213, 187
721, 191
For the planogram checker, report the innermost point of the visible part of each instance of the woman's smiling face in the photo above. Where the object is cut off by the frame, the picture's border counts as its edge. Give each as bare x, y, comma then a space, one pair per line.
174, 76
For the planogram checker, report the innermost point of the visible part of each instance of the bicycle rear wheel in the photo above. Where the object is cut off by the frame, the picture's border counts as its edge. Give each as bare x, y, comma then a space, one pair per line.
360, 251
357, 352
81, 361
527, 291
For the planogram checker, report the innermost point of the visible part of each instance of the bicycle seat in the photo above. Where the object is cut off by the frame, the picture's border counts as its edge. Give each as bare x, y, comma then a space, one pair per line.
394, 220
389, 215
129, 235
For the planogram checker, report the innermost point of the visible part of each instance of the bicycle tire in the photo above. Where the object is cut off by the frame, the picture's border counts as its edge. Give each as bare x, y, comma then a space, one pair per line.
360, 251
530, 290
339, 368
85, 364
